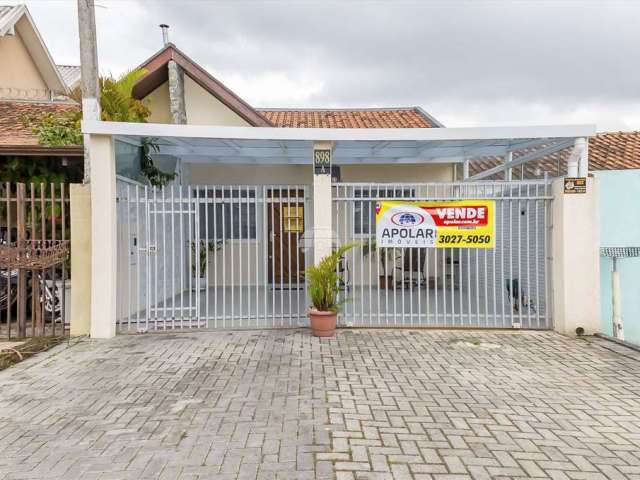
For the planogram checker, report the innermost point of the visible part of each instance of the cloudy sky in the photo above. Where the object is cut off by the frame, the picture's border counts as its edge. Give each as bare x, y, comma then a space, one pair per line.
468, 63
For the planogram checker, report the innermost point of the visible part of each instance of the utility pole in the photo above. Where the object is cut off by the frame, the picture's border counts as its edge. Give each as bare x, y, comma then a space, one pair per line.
89, 73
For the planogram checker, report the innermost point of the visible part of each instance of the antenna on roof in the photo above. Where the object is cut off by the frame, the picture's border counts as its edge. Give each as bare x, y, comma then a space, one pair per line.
165, 33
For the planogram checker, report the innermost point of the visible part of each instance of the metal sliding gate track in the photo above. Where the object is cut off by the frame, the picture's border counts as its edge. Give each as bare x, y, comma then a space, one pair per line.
211, 256
504, 287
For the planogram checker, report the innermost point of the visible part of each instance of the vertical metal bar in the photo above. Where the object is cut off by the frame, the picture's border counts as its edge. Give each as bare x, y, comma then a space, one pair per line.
216, 233
248, 252
21, 242
272, 241
164, 258
63, 216
155, 256
548, 222
194, 205
224, 274
174, 294
363, 194
493, 257
34, 273
510, 256
8, 240
537, 233
452, 282
445, 313
205, 205
265, 249
377, 257
529, 289
346, 206
520, 282
299, 229
54, 280
183, 246
257, 247
239, 241
138, 265
147, 256
287, 221
371, 224
281, 262
192, 252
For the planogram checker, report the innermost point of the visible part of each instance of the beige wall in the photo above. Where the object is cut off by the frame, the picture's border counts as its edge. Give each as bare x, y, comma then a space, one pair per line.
204, 109
397, 173
199, 174
158, 103
18, 71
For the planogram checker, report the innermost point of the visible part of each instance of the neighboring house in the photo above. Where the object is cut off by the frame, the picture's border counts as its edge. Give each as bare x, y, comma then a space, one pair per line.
31, 85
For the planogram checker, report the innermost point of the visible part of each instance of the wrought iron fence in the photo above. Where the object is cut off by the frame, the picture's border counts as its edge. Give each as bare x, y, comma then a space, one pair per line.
34, 255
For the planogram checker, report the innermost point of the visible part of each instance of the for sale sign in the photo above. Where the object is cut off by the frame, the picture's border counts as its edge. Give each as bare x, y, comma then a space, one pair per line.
462, 224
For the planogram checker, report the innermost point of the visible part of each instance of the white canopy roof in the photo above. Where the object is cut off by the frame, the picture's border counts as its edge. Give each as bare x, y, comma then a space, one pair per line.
265, 145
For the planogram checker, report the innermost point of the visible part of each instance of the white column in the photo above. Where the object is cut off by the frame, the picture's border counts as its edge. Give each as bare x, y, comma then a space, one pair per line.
103, 237
322, 228
508, 173
575, 242
80, 196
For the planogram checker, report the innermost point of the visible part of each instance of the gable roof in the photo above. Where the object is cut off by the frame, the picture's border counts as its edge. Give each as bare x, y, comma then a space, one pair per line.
18, 139
11, 23
157, 74
607, 151
411, 117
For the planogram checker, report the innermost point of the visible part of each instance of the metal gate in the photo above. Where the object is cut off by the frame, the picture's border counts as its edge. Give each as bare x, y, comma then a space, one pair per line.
504, 287
212, 256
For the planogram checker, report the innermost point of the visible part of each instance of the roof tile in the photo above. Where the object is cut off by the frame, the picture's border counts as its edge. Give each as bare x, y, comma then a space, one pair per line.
348, 118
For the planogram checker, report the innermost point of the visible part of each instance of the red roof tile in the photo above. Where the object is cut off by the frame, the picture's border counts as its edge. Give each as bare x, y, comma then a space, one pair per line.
12, 128
607, 151
355, 118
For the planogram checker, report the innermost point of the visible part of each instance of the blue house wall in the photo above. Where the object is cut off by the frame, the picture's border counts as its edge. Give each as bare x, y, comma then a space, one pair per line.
620, 226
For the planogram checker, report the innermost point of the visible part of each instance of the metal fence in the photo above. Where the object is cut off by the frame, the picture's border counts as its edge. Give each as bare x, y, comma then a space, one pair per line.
504, 287
211, 256
34, 234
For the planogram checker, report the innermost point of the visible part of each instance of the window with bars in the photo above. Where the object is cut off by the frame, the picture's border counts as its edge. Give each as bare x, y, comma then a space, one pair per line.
231, 217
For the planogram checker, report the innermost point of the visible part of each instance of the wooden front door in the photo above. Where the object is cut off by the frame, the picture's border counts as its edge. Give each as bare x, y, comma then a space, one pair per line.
286, 226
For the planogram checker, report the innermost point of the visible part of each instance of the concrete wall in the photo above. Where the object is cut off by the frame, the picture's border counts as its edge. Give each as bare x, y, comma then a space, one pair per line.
18, 71
575, 242
619, 227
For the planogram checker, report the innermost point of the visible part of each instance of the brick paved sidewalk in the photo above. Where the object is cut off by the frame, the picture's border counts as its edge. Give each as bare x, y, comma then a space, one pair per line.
283, 405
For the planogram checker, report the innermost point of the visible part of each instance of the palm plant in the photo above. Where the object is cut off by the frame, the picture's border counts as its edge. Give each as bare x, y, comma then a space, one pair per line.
323, 280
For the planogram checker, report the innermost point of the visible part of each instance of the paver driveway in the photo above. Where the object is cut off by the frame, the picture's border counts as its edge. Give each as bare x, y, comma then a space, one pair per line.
367, 404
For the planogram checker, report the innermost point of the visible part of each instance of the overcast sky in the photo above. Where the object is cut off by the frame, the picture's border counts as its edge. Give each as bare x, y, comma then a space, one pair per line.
468, 63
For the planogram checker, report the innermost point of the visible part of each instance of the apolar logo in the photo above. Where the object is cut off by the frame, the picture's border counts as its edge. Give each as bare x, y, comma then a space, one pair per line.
407, 229
407, 219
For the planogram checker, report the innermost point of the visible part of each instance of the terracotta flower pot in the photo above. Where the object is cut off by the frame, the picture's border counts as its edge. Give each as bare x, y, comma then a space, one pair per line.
323, 324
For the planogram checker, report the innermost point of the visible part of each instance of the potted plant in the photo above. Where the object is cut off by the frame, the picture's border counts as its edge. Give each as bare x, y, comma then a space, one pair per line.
201, 283
323, 286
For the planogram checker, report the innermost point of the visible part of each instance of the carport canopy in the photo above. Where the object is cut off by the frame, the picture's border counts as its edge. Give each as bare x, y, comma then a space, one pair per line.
266, 145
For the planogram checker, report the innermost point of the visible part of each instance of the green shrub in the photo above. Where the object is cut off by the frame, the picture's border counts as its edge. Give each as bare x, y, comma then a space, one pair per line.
324, 282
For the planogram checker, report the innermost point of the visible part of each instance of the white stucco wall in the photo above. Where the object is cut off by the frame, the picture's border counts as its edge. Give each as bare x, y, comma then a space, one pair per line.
575, 243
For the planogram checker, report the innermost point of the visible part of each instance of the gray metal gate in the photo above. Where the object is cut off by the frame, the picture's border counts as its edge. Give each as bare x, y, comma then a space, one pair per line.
212, 256
504, 287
